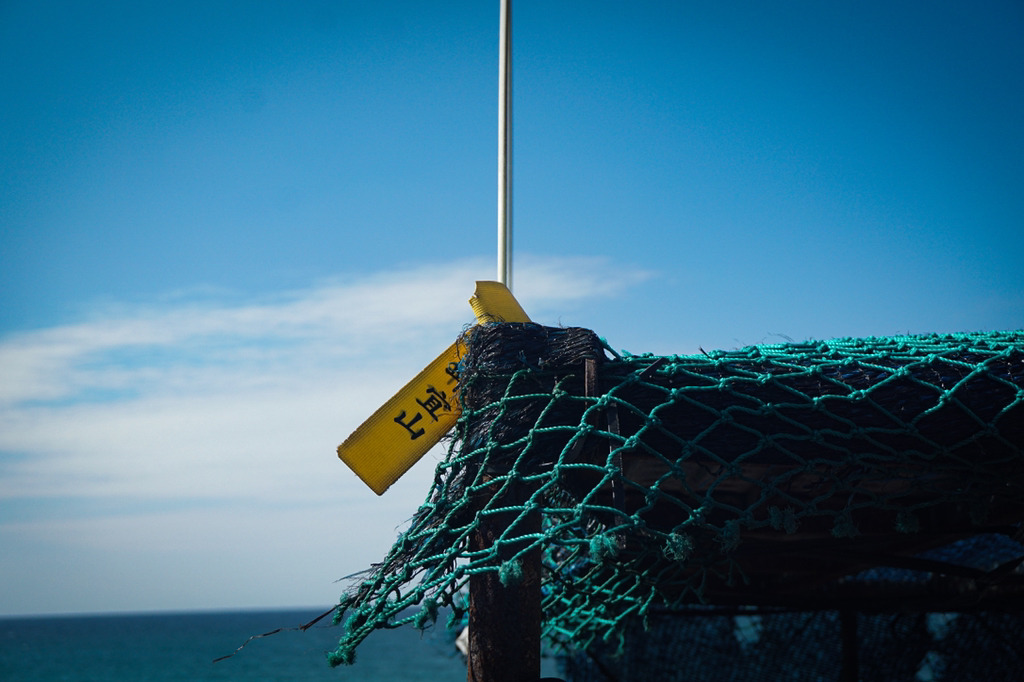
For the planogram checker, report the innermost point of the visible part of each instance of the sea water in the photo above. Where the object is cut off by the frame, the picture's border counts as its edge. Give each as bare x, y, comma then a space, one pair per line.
183, 646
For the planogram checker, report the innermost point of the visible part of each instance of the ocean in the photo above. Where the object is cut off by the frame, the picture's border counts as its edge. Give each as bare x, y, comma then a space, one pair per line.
182, 646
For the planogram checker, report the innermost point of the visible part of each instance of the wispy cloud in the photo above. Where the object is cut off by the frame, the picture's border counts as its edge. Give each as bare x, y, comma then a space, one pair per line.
197, 407
204, 345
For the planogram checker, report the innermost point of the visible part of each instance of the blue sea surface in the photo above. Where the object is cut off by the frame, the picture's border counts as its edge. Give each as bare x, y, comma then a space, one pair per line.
182, 646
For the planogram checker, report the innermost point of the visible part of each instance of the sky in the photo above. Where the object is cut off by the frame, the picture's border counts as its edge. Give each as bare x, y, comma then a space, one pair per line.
230, 230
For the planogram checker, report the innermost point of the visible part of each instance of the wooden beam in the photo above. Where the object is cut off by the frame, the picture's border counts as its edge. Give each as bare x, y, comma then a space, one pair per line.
505, 619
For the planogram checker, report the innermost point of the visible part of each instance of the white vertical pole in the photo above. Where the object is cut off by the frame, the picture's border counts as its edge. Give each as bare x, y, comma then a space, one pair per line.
505, 147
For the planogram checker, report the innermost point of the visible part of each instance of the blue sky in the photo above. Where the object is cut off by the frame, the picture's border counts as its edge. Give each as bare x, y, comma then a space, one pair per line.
228, 231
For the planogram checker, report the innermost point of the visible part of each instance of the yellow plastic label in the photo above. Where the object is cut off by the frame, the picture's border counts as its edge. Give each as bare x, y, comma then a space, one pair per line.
493, 303
412, 421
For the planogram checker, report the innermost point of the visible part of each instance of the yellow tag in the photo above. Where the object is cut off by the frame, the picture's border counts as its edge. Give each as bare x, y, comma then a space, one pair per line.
401, 431
387, 444
493, 303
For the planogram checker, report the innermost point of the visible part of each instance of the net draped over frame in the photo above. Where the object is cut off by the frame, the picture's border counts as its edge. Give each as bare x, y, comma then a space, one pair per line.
773, 476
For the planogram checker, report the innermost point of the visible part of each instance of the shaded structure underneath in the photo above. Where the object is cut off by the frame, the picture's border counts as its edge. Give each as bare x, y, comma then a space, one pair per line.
872, 476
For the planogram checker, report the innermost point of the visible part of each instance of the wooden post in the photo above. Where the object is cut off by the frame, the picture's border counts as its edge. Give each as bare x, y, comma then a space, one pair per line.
504, 621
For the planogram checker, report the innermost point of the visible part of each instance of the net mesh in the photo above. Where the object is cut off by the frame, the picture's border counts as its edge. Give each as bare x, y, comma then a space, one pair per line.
819, 477
795, 647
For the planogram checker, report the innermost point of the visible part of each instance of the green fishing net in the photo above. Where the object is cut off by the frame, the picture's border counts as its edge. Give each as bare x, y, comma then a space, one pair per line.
770, 477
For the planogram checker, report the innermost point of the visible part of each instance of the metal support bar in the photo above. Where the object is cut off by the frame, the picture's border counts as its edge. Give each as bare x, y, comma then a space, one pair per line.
850, 671
505, 146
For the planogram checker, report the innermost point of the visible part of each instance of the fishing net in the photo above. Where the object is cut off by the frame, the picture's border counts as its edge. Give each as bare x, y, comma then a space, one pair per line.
809, 645
826, 476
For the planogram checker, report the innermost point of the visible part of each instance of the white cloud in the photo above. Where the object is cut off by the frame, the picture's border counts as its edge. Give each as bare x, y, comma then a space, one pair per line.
196, 344
165, 416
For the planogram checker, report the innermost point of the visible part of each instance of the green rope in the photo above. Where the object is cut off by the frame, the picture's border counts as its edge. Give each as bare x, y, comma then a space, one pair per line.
730, 476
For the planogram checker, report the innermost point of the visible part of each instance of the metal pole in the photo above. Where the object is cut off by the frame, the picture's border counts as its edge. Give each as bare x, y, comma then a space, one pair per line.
504, 146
